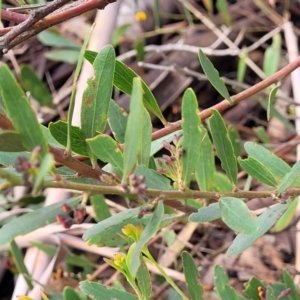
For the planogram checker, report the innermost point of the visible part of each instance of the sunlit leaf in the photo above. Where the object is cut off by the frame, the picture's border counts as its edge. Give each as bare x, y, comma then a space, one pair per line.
206, 214
213, 76
134, 129
223, 145
191, 136
257, 170
191, 275
20, 112
266, 221
237, 216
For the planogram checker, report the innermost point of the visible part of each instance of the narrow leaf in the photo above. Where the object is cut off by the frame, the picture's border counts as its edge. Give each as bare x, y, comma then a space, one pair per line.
117, 120
266, 221
237, 216
257, 170
20, 112
144, 280
271, 100
96, 98
104, 233
251, 288
99, 291
273, 163
146, 140
205, 167
206, 214
289, 282
235, 140
223, 145
134, 130
213, 76
191, 275
33, 220
191, 136
272, 56
100, 207
153, 180
19, 262
33, 84
123, 81
242, 66
46, 166
286, 219
262, 134
107, 150
222, 183
149, 231
59, 131
289, 178
222, 286
11, 141
222, 7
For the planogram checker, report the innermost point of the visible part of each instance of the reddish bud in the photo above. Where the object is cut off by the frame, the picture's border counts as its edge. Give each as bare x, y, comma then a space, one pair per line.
64, 220
66, 208
79, 214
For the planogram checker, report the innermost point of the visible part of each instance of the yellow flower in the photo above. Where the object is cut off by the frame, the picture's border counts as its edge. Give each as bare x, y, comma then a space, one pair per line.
132, 231
140, 16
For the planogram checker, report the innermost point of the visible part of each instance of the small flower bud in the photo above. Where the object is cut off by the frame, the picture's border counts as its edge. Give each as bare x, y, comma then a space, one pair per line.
79, 214
141, 179
66, 208
167, 146
64, 220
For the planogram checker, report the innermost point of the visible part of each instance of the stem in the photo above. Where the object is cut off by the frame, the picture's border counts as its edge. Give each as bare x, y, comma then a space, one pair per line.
150, 259
134, 286
166, 194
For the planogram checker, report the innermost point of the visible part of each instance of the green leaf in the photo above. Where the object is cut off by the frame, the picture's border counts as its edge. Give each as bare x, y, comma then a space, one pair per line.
251, 288
123, 80
242, 67
235, 140
100, 207
191, 136
222, 286
10, 141
270, 295
271, 100
158, 144
257, 170
237, 216
69, 56
261, 133
104, 233
9, 158
33, 84
70, 294
191, 275
19, 263
99, 291
139, 46
289, 178
153, 180
54, 39
222, 7
288, 280
222, 183
213, 76
223, 145
144, 280
118, 34
149, 231
27, 200
286, 219
273, 163
206, 214
272, 56
146, 140
117, 120
33, 220
20, 112
96, 98
50, 139
59, 131
107, 150
47, 164
205, 167
134, 130
266, 220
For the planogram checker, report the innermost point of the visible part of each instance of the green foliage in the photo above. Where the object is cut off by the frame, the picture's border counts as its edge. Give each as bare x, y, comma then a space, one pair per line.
136, 171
